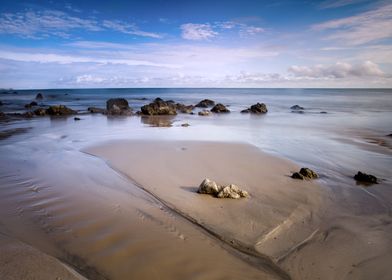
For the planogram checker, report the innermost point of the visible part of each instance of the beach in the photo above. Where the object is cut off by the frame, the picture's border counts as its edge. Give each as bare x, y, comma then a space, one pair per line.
115, 197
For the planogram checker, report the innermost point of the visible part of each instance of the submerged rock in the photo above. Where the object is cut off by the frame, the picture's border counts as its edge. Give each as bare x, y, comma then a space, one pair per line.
118, 106
297, 107
366, 178
220, 108
95, 110
39, 96
60, 110
204, 113
323, 112
159, 107
245, 111
205, 103
230, 191
77, 119
305, 174
185, 109
258, 108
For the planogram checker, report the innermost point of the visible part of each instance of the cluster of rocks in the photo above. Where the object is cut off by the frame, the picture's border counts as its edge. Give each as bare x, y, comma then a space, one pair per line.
258, 108
230, 191
305, 174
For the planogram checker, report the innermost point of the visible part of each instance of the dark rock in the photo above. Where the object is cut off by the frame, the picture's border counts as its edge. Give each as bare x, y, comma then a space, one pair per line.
390, 135
40, 112
297, 107
205, 103
185, 109
245, 111
60, 110
305, 173
31, 104
158, 99
220, 108
204, 113
366, 178
94, 110
77, 119
323, 112
39, 96
259, 108
118, 106
298, 112
1, 103
2, 115
159, 107
170, 101
185, 124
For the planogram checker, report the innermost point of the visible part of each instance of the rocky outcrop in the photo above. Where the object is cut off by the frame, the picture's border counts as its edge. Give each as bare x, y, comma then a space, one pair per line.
159, 107
31, 104
60, 110
212, 188
297, 107
40, 112
305, 174
95, 110
220, 108
39, 96
259, 108
204, 113
365, 178
185, 109
118, 106
205, 103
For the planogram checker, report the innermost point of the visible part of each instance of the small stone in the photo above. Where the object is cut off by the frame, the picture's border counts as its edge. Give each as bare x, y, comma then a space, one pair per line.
297, 175
204, 113
323, 112
297, 107
209, 187
366, 178
185, 124
77, 119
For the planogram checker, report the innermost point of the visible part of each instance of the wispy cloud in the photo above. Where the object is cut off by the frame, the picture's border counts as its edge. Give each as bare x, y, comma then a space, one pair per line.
330, 4
127, 28
41, 24
363, 28
196, 32
337, 71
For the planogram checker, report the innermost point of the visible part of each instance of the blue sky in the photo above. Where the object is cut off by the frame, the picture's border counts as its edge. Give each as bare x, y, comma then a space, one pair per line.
247, 43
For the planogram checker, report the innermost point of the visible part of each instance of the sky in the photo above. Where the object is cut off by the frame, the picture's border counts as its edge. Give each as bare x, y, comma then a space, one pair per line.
157, 43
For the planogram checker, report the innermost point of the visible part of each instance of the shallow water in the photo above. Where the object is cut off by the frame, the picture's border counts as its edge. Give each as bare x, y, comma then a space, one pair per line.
350, 137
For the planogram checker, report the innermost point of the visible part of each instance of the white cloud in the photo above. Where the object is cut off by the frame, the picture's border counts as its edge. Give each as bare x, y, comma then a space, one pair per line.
338, 71
193, 31
363, 28
41, 24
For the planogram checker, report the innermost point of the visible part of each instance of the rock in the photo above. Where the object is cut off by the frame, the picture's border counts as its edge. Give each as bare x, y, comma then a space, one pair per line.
305, 173
39, 96
209, 187
185, 109
94, 110
31, 104
77, 119
40, 112
204, 113
2, 115
28, 115
259, 108
366, 178
205, 103
297, 107
185, 124
159, 107
59, 110
390, 135
230, 191
323, 112
220, 108
118, 106
1, 103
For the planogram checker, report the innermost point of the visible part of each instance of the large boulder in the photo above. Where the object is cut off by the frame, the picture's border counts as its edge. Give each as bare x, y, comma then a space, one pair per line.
305, 174
229, 191
366, 178
60, 110
220, 108
159, 107
258, 108
118, 106
205, 103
